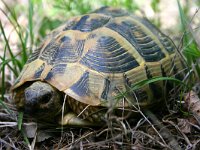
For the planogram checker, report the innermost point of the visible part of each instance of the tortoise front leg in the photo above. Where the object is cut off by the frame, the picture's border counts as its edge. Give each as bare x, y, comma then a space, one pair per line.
71, 119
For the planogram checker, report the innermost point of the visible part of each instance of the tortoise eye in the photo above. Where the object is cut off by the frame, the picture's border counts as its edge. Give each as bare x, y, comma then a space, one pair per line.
45, 98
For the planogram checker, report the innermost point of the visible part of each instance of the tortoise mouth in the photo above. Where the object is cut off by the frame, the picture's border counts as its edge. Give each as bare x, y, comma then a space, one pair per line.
47, 115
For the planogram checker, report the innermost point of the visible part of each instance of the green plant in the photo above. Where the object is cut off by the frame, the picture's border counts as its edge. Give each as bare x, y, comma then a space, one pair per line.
190, 42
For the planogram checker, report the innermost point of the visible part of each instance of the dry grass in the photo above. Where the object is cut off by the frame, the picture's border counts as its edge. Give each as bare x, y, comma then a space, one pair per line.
137, 132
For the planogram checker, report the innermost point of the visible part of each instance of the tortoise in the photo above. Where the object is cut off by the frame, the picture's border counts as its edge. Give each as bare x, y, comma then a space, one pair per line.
87, 62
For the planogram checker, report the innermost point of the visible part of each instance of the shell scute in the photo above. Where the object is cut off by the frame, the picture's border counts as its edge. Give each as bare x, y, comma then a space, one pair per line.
81, 86
108, 56
57, 69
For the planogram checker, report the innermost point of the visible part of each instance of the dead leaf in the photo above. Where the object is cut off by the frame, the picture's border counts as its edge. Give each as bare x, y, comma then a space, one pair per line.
184, 125
138, 145
192, 103
42, 135
30, 129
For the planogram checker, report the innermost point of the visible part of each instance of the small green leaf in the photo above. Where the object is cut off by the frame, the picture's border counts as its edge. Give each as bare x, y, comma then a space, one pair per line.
155, 5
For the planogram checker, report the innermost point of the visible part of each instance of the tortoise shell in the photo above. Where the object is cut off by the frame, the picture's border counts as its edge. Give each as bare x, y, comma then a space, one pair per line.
97, 56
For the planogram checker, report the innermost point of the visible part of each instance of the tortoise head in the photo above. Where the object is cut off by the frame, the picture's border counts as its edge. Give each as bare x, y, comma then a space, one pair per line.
39, 99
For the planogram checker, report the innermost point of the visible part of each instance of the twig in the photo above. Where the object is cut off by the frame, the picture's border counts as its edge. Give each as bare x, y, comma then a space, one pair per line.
185, 137
165, 132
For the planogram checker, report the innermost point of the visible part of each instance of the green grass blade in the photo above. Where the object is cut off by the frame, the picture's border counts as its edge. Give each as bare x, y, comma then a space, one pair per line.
190, 47
8, 47
140, 84
20, 120
2, 71
6, 63
156, 79
182, 16
30, 20
20, 128
4, 106
13, 20
3, 82
25, 138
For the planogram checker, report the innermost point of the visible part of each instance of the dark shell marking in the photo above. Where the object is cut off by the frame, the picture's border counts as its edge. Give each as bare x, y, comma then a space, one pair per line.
109, 56
81, 86
87, 23
103, 54
111, 12
57, 69
147, 48
34, 55
39, 71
